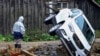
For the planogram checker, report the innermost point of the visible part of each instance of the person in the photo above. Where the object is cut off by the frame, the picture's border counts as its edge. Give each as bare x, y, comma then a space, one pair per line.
18, 31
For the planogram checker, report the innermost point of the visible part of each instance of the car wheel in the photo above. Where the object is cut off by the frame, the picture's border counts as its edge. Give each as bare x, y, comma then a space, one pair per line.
48, 20
52, 31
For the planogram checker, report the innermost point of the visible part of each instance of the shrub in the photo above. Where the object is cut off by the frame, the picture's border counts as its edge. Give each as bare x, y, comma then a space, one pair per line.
97, 33
35, 35
98, 1
2, 38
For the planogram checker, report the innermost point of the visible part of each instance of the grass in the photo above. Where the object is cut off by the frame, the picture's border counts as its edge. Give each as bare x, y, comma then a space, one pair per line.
97, 33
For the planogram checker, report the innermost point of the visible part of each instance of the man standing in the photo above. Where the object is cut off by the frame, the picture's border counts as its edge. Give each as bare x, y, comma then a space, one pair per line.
18, 32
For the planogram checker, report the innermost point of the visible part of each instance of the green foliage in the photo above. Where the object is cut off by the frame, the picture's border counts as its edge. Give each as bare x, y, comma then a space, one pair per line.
26, 38
6, 38
31, 35
47, 37
2, 38
97, 33
98, 1
34, 35
37, 35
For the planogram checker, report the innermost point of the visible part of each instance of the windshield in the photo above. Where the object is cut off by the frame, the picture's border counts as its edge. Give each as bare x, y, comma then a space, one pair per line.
84, 27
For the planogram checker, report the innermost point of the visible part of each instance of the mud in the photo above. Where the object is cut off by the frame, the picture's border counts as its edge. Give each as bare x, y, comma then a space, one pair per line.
49, 49
59, 50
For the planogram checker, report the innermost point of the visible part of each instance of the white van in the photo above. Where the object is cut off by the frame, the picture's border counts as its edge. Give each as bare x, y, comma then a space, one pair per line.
74, 31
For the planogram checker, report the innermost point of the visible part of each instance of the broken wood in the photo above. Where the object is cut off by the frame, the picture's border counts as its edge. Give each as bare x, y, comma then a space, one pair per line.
27, 53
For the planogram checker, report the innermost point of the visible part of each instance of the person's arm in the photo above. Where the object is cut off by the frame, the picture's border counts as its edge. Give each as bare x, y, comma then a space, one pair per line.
23, 30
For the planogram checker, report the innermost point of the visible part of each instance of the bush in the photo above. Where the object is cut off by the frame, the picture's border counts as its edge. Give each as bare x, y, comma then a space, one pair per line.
47, 37
35, 35
97, 33
98, 1
26, 38
2, 38
8, 38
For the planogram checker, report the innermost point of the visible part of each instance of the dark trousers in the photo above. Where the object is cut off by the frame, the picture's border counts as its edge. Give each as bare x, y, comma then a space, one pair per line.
18, 38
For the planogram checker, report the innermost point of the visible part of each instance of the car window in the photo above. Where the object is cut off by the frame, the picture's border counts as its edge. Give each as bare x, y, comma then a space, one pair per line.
84, 27
75, 12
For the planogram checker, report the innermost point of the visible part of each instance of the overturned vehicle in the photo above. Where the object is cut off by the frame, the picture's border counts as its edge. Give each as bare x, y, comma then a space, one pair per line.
73, 29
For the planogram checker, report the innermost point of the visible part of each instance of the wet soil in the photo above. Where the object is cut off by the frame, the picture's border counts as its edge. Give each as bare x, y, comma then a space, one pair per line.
47, 48
59, 50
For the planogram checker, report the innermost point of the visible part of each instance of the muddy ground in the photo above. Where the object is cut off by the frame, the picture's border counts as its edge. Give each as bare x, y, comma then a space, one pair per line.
47, 48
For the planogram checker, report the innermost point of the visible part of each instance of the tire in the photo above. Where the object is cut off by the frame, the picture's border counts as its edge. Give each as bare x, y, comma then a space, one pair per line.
52, 31
48, 20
